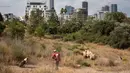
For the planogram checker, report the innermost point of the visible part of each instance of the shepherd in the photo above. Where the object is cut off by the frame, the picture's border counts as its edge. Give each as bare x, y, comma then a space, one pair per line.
56, 58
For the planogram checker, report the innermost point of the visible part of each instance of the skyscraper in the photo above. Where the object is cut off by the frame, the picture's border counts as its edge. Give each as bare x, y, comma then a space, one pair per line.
114, 8
85, 6
69, 9
105, 8
51, 4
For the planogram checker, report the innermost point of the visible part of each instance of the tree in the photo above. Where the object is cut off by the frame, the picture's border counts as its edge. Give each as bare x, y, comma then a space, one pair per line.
53, 24
71, 26
40, 31
36, 17
62, 11
103, 27
2, 27
1, 17
26, 17
15, 29
65, 10
115, 16
119, 38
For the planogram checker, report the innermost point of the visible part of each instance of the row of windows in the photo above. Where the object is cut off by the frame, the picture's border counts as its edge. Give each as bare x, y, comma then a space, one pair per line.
35, 6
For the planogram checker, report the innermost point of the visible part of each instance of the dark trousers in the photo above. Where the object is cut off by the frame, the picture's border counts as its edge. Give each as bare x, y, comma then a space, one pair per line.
57, 65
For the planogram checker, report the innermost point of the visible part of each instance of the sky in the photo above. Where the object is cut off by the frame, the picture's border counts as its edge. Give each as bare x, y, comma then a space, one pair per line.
18, 6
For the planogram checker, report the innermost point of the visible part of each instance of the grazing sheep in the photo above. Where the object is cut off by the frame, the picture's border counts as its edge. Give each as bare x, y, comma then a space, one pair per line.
89, 54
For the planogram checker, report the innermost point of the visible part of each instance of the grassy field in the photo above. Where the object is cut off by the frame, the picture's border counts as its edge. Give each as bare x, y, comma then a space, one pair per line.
39, 53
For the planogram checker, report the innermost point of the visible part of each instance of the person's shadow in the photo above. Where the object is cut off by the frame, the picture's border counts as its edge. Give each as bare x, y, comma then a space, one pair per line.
29, 66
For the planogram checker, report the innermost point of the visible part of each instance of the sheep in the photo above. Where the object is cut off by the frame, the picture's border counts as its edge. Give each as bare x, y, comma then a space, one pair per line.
89, 54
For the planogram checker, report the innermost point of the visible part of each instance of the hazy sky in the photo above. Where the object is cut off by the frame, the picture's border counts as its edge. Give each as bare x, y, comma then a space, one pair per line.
18, 6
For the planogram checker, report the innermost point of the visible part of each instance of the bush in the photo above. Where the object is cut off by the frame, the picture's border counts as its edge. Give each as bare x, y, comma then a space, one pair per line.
119, 38
39, 31
77, 36
15, 29
2, 27
1, 18
115, 16
70, 26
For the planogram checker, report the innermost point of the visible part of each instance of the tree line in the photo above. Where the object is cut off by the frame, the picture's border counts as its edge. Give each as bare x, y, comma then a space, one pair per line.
114, 30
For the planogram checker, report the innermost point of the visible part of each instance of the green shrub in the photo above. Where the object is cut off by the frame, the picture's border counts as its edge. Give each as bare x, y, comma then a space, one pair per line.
2, 27
15, 29
119, 38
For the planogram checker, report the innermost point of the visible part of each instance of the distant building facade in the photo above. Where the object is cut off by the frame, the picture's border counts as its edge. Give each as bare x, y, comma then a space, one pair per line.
32, 6
9, 16
80, 14
47, 11
51, 4
70, 10
100, 15
85, 7
114, 8
69, 13
106, 8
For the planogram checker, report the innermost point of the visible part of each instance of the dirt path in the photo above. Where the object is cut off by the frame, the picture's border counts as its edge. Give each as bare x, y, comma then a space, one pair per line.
44, 67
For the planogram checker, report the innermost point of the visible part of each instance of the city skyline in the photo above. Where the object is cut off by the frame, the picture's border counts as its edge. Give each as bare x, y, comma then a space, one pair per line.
18, 6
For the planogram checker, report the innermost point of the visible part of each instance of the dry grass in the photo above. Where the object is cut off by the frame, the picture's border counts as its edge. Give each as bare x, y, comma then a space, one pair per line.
12, 51
75, 61
4, 69
108, 58
105, 62
45, 70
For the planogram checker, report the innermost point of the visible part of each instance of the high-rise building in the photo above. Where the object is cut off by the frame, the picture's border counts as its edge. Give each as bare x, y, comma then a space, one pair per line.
51, 4
32, 6
106, 8
114, 8
69, 9
85, 6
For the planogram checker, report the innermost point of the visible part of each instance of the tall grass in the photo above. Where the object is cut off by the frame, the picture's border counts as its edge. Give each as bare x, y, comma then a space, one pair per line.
4, 69
16, 50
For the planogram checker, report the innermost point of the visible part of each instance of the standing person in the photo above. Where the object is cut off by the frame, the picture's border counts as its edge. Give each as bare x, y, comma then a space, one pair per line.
56, 57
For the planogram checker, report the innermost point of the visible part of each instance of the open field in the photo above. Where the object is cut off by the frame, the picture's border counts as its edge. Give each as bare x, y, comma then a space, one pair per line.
39, 51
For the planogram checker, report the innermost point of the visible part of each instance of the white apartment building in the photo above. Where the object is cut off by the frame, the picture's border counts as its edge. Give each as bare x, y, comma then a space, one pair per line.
100, 15
35, 5
47, 9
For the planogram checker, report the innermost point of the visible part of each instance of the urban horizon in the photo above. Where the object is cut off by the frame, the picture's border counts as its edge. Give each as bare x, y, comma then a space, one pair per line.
61, 4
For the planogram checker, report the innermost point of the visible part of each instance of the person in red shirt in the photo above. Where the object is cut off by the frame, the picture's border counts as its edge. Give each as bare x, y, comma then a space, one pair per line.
56, 57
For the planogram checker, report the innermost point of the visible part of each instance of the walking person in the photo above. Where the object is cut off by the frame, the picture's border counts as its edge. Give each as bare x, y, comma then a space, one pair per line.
56, 58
